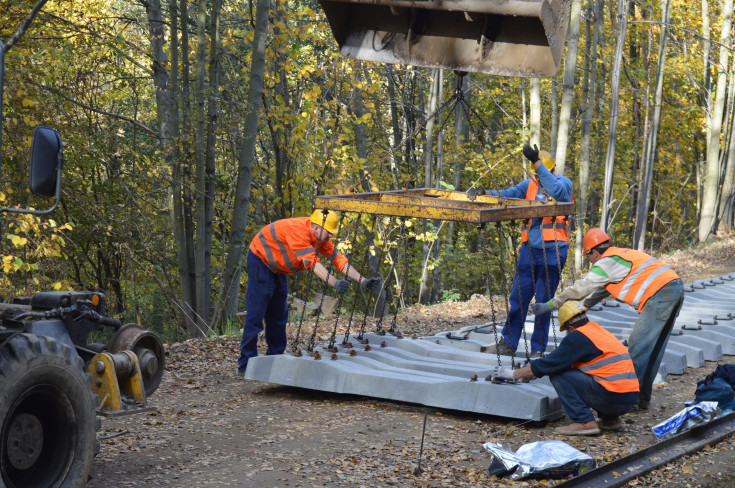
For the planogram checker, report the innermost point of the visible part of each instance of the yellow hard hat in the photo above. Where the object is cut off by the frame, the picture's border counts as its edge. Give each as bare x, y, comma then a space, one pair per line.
569, 310
546, 160
327, 219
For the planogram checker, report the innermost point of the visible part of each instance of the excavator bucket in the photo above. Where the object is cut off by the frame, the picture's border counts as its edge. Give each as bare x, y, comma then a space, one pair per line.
502, 37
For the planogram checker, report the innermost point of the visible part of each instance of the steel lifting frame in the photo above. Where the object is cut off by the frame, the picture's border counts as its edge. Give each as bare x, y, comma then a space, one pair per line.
427, 203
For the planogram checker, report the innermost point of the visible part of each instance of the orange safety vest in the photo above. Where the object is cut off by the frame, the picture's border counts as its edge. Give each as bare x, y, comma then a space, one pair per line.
613, 369
552, 228
287, 246
647, 275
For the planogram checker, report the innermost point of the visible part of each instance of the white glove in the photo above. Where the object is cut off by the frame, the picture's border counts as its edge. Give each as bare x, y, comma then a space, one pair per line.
502, 373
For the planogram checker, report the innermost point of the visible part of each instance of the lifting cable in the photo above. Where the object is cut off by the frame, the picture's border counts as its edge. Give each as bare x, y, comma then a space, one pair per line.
348, 239
484, 243
400, 298
360, 336
506, 290
312, 339
345, 340
393, 258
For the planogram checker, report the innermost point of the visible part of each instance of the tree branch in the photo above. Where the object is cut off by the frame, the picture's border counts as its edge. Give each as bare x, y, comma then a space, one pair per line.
92, 109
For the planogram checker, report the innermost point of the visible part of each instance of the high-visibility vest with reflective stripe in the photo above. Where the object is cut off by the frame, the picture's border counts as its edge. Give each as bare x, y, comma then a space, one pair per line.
287, 246
647, 275
552, 228
613, 369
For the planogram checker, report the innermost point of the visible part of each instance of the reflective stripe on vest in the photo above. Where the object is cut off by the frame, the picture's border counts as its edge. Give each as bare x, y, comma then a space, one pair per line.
647, 275
613, 369
276, 247
552, 228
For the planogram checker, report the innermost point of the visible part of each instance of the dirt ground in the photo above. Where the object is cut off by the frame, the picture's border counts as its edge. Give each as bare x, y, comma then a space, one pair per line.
212, 428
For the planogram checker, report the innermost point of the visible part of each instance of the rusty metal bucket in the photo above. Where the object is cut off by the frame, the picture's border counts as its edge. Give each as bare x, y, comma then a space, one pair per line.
502, 37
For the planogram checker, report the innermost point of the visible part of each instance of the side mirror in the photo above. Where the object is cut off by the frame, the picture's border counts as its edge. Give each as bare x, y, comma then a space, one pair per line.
46, 161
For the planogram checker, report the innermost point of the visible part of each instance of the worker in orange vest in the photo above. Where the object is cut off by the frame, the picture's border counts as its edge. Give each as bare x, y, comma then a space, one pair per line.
641, 281
591, 368
543, 252
280, 249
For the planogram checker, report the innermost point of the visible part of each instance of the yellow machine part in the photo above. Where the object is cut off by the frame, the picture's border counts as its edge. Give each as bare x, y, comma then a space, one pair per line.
107, 386
427, 203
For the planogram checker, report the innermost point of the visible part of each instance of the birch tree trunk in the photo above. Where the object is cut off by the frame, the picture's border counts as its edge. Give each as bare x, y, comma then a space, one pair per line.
623, 7
534, 106
241, 206
570, 65
649, 153
728, 184
461, 134
435, 88
586, 135
708, 217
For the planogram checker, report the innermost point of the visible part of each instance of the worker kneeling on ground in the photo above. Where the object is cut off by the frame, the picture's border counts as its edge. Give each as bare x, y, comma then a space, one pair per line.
591, 368
641, 281
280, 249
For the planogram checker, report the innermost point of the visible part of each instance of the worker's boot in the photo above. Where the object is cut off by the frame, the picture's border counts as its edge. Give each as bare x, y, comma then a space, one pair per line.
612, 424
577, 428
503, 348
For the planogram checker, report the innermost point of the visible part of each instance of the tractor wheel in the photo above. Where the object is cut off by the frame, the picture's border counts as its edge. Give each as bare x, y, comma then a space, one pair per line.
47, 412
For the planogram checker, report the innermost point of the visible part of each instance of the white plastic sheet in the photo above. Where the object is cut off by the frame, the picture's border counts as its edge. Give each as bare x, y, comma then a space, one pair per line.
542, 459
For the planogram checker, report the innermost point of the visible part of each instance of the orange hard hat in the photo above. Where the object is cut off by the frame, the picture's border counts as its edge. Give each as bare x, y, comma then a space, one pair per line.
593, 238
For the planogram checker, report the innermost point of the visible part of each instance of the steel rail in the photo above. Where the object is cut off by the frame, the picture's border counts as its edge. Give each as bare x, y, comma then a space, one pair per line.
627, 468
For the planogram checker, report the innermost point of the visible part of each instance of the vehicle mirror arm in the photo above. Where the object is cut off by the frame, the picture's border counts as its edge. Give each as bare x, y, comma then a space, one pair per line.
43, 211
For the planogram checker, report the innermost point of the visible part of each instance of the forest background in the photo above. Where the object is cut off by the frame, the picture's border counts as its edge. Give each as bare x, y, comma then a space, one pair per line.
187, 126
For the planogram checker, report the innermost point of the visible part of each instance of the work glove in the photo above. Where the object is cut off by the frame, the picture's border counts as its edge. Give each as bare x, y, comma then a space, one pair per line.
501, 373
372, 284
542, 308
342, 285
473, 192
531, 153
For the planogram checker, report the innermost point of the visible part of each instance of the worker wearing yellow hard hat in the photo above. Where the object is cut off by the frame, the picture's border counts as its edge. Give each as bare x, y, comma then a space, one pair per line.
278, 250
643, 282
591, 369
543, 251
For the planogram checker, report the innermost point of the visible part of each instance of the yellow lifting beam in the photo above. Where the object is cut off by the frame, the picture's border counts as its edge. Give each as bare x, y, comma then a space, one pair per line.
427, 203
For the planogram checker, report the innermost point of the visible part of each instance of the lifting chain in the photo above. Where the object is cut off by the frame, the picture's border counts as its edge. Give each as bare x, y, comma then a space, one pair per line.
346, 340
379, 329
506, 292
360, 336
330, 344
520, 292
548, 285
488, 281
312, 339
397, 300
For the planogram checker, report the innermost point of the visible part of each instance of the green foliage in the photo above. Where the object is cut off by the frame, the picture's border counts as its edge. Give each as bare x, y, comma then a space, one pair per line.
327, 127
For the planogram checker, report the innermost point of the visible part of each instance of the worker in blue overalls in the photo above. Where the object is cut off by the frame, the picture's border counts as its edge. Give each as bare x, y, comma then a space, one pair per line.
542, 255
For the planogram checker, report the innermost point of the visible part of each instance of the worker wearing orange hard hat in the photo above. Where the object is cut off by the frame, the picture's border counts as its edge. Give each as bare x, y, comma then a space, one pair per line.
280, 249
543, 252
641, 281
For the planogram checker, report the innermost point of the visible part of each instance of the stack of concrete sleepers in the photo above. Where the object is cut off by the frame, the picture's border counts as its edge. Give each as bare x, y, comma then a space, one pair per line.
452, 369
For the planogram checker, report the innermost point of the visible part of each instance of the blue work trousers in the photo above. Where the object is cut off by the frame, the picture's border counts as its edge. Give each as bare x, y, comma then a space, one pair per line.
534, 276
266, 300
578, 392
647, 341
